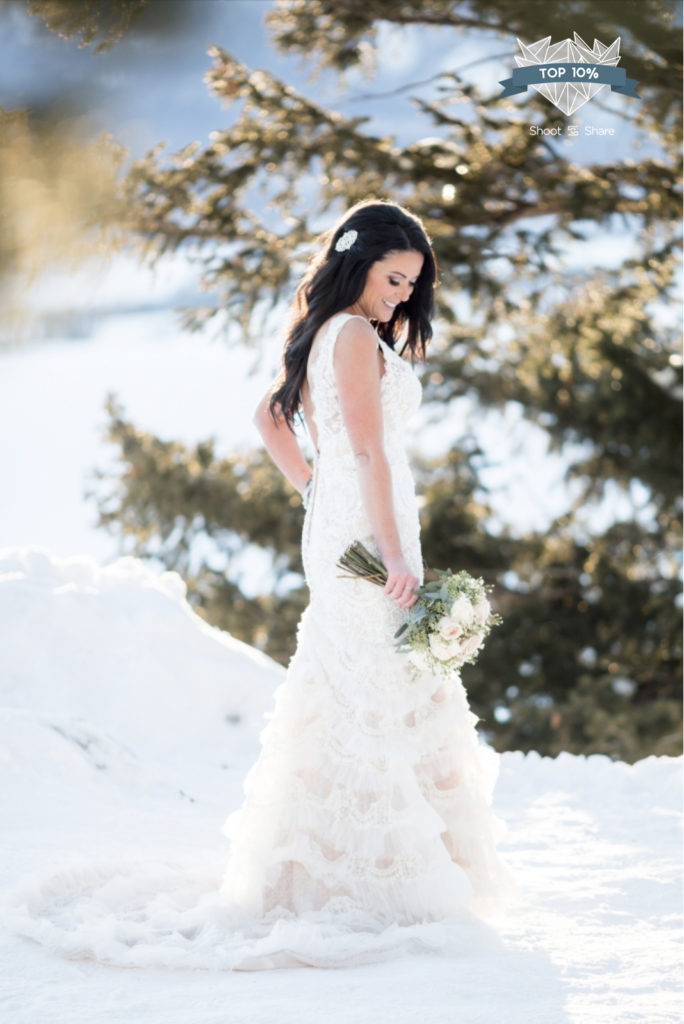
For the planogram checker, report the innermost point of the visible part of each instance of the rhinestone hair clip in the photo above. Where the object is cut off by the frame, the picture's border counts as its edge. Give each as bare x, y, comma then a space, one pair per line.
346, 240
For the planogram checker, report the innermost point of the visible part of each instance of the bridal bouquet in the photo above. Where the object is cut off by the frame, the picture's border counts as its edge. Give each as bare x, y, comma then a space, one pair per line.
447, 625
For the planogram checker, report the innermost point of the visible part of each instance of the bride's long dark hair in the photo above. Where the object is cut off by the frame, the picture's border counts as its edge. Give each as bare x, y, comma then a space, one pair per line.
335, 280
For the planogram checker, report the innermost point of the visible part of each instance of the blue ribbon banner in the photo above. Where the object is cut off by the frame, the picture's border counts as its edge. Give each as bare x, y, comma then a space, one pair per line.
575, 74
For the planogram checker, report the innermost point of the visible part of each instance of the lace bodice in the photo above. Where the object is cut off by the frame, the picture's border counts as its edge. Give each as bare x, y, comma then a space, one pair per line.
401, 393
336, 515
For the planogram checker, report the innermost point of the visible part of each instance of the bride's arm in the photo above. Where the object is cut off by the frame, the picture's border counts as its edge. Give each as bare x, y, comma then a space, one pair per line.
358, 377
281, 444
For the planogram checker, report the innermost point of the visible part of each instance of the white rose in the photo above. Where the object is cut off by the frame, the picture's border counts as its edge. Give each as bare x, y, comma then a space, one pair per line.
481, 611
441, 648
461, 611
449, 629
470, 645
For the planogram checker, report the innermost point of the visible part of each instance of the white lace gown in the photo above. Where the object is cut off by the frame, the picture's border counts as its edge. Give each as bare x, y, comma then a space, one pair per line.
367, 816
366, 828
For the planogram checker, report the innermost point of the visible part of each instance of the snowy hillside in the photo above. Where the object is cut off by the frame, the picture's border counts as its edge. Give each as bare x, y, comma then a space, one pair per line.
126, 727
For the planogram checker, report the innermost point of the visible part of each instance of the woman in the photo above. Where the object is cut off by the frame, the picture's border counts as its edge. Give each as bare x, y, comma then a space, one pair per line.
366, 816
366, 827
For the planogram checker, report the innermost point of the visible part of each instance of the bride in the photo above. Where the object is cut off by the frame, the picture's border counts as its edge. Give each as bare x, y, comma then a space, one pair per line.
368, 810
366, 827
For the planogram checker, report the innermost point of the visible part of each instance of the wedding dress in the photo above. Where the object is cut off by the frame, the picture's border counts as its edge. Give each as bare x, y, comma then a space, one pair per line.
368, 812
366, 828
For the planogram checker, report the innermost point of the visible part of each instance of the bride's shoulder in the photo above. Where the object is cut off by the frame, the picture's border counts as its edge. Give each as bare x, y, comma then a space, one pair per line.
351, 329
352, 325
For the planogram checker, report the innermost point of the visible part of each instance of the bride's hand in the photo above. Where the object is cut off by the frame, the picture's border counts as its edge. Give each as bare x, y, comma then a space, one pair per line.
401, 583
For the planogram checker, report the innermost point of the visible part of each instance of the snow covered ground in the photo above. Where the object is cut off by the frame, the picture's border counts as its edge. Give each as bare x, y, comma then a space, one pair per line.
126, 726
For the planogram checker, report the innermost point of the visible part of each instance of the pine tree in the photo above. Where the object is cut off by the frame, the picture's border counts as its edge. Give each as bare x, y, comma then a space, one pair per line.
588, 656
103, 22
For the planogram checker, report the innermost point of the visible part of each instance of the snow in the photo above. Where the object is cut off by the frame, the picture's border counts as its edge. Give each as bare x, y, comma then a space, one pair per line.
126, 726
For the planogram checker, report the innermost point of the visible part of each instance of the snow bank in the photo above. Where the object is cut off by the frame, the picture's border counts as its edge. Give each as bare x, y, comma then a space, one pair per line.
119, 646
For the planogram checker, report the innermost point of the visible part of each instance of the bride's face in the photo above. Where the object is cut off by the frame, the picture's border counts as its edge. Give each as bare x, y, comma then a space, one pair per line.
389, 282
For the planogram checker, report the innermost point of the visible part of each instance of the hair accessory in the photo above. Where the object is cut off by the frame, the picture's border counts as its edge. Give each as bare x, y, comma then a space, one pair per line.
346, 240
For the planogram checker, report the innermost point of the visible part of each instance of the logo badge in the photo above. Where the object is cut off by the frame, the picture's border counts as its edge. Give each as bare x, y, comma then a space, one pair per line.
569, 73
